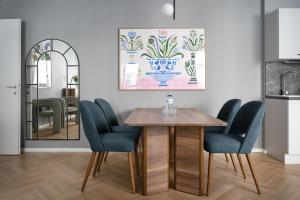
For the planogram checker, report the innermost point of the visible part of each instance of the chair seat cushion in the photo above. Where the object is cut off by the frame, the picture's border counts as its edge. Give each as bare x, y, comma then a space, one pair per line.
134, 131
118, 142
222, 143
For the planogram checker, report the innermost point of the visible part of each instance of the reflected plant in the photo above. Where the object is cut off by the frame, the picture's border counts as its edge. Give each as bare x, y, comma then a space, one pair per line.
131, 42
38, 48
42, 48
194, 42
75, 79
45, 56
162, 46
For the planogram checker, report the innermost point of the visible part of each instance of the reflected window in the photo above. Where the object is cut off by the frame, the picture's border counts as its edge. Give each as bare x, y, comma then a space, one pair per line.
43, 78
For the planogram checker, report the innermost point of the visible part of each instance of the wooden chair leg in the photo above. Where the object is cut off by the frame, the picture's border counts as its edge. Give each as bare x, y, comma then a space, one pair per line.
226, 157
140, 148
136, 161
210, 160
98, 155
97, 163
105, 156
132, 174
253, 172
241, 164
232, 160
100, 162
88, 170
139, 144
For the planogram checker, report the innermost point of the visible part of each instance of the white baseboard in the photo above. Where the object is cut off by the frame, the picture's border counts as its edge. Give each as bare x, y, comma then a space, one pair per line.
291, 159
256, 150
56, 150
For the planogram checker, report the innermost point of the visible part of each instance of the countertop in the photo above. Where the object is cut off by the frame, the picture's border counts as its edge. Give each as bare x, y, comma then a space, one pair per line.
284, 97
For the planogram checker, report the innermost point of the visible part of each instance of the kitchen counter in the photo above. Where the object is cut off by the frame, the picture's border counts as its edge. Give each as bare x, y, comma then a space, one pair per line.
282, 129
284, 97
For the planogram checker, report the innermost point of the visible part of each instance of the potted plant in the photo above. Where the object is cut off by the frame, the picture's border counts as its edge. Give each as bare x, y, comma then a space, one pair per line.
74, 91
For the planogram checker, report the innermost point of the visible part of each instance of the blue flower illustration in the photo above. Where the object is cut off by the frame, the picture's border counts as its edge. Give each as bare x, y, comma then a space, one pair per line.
131, 35
131, 42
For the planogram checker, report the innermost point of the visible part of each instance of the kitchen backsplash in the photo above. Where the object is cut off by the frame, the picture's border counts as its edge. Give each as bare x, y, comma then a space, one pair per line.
273, 72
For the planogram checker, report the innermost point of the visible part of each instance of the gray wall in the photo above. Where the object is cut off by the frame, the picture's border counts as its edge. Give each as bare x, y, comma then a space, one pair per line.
233, 50
271, 5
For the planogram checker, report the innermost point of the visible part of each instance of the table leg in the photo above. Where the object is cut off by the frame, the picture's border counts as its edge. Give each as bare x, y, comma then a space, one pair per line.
201, 160
172, 156
189, 160
155, 159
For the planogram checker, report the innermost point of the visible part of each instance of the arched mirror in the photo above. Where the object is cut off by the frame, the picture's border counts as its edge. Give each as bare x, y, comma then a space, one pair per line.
52, 91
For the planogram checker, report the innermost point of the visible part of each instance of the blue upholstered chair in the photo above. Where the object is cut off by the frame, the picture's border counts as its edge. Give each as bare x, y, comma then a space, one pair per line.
112, 118
98, 133
113, 121
226, 113
240, 138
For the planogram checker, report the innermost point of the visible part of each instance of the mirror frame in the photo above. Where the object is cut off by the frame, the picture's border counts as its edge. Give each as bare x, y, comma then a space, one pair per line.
40, 54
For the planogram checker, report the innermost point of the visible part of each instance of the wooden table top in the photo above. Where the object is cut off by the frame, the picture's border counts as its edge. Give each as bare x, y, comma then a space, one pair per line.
183, 117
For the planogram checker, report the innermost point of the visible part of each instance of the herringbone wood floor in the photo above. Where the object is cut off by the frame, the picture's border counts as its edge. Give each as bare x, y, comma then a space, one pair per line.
59, 176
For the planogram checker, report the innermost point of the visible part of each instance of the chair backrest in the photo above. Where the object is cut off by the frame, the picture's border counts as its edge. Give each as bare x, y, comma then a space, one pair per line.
228, 112
94, 123
108, 111
247, 123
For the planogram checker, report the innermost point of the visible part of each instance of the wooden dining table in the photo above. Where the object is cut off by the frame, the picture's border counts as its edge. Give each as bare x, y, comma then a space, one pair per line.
172, 148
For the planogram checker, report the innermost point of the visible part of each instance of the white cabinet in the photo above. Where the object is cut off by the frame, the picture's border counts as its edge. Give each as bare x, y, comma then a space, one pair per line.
282, 130
282, 34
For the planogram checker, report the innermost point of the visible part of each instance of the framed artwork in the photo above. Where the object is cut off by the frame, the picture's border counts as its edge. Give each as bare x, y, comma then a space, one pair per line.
161, 59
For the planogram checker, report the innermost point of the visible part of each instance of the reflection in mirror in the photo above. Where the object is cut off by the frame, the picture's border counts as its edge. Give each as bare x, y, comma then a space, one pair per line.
43, 46
52, 92
71, 57
60, 46
45, 66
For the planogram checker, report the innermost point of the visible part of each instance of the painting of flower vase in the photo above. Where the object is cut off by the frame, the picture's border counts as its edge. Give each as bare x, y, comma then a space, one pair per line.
162, 54
167, 59
162, 69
